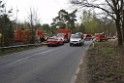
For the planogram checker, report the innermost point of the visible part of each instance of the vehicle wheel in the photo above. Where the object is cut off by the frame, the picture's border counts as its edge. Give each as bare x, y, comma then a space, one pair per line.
48, 45
63, 43
82, 44
71, 44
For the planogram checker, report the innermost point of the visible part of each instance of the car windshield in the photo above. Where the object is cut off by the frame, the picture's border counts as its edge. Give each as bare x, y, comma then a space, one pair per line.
75, 36
51, 39
60, 35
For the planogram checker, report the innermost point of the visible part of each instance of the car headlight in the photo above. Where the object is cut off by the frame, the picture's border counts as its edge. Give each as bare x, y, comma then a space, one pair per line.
79, 40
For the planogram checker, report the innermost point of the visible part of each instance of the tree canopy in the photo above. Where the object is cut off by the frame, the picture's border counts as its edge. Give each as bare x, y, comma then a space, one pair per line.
6, 28
112, 8
65, 19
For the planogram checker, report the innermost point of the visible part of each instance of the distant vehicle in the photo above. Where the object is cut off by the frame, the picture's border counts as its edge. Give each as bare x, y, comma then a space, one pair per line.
100, 37
87, 37
110, 37
24, 35
64, 34
61, 36
114, 37
76, 39
80, 33
54, 41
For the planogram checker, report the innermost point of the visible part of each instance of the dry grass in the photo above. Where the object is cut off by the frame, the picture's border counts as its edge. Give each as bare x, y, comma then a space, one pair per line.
103, 64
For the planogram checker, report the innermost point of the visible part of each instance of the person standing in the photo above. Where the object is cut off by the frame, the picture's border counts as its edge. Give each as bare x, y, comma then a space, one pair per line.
42, 39
93, 41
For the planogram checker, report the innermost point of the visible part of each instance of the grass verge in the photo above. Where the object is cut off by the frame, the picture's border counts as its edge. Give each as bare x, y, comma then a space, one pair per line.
103, 63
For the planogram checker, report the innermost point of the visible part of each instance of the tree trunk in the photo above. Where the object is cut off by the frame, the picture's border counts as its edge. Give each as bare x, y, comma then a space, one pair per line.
119, 33
123, 31
123, 25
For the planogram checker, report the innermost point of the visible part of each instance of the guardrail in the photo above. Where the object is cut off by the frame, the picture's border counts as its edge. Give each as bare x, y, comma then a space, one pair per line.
3, 49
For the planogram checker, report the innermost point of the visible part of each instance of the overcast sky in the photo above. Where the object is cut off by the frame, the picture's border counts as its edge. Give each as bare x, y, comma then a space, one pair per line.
46, 9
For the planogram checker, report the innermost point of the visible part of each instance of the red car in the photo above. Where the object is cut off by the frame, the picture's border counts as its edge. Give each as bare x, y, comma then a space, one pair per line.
100, 38
54, 41
87, 37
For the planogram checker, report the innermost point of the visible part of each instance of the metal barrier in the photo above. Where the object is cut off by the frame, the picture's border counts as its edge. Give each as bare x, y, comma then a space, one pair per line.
18, 46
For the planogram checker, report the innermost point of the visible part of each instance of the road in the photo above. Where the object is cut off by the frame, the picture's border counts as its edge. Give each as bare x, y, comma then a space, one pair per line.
42, 65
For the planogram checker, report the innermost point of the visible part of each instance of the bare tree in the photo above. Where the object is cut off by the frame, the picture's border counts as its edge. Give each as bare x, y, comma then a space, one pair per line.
33, 21
112, 8
122, 22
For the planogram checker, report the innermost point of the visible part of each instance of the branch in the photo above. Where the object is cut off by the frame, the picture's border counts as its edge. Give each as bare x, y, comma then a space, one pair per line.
110, 5
85, 3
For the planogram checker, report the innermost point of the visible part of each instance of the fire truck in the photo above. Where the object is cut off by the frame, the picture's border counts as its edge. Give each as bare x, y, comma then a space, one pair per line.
100, 37
64, 34
24, 35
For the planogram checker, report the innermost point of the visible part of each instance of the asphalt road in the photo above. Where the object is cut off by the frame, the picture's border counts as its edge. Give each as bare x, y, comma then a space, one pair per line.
42, 65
